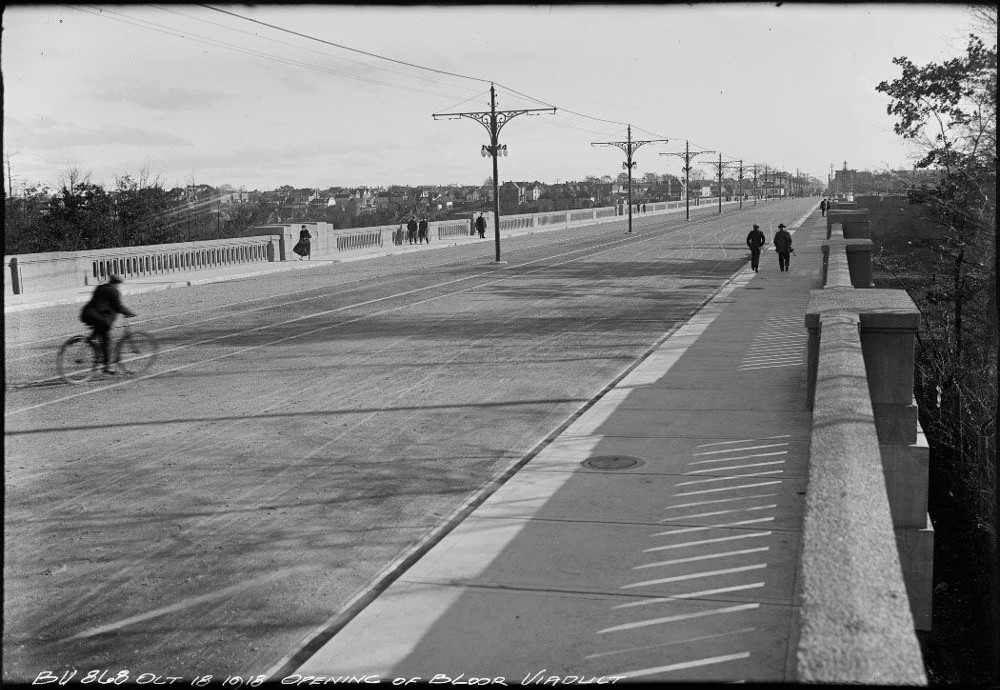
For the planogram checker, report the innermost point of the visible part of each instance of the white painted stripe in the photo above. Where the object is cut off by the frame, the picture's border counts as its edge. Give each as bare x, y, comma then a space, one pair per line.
728, 488
722, 512
738, 467
741, 457
701, 542
746, 440
740, 450
706, 557
688, 595
687, 640
679, 617
701, 528
732, 476
693, 576
695, 504
683, 665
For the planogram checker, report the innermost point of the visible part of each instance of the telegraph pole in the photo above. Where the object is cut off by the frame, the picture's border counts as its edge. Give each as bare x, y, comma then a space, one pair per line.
687, 155
629, 148
493, 120
756, 192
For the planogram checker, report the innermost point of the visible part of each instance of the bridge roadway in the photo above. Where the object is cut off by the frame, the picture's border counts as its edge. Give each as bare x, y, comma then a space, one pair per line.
309, 435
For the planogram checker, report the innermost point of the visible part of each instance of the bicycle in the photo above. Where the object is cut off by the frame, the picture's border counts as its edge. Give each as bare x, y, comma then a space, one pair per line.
80, 357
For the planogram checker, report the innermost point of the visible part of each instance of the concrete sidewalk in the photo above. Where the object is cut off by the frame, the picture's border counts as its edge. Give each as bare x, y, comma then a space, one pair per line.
656, 538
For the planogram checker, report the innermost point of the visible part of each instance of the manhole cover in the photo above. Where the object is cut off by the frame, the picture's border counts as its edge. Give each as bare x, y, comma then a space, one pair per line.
611, 462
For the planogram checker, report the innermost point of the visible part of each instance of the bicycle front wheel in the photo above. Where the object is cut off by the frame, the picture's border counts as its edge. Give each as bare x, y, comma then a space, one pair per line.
136, 352
77, 360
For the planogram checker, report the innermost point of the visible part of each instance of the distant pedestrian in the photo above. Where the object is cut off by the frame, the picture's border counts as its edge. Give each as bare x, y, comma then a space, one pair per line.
755, 240
422, 231
822, 207
783, 245
481, 226
411, 230
644, 208
303, 247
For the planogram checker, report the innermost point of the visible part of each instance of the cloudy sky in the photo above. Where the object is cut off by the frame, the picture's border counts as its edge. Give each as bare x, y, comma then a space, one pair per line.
302, 94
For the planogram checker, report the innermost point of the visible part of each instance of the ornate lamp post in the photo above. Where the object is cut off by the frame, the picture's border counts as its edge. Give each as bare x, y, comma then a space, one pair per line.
629, 148
687, 156
494, 120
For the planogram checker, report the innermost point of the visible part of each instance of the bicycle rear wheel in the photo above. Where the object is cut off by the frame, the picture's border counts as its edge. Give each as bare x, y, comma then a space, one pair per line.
136, 352
77, 360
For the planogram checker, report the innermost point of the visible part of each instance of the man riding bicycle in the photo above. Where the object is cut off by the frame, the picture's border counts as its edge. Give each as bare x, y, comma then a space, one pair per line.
100, 313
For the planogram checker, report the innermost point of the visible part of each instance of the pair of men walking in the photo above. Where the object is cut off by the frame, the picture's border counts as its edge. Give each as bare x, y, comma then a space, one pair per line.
782, 245
417, 232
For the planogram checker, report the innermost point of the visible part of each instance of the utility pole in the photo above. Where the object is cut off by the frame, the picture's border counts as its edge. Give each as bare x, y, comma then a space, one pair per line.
765, 183
720, 165
740, 189
629, 148
494, 120
756, 192
687, 155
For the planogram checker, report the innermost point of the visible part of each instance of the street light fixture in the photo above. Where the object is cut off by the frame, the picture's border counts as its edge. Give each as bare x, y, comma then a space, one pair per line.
494, 120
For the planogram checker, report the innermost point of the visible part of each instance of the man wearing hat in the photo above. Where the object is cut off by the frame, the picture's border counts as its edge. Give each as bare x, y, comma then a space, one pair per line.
755, 240
100, 313
783, 245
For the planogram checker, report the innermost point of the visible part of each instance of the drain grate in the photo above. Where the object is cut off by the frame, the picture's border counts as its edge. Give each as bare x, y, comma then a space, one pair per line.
611, 462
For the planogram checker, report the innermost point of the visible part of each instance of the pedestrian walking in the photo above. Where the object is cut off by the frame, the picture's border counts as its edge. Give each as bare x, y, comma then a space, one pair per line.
644, 209
481, 226
822, 207
411, 230
783, 245
303, 247
422, 231
755, 240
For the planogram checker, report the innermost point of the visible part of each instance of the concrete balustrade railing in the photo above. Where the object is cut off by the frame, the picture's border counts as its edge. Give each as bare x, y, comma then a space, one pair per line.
33, 273
458, 228
867, 561
855, 624
27, 273
856, 256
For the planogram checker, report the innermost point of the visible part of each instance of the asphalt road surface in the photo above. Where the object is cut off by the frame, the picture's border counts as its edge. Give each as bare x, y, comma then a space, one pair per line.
304, 433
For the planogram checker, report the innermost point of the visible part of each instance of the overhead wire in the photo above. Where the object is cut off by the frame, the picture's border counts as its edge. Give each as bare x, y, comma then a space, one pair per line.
292, 45
105, 12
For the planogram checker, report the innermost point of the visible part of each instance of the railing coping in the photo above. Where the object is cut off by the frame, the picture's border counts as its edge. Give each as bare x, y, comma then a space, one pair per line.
875, 307
136, 250
855, 619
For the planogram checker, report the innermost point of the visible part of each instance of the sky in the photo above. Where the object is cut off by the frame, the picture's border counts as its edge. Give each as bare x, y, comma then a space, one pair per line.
259, 96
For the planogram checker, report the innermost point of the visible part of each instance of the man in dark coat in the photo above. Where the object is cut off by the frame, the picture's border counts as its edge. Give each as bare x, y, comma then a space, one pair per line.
422, 232
822, 207
481, 226
783, 245
411, 230
100, 313
755, 240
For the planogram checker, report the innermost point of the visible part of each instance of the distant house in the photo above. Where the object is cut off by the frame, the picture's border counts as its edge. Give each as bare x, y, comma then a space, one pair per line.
511, 193
554, 200
532, 190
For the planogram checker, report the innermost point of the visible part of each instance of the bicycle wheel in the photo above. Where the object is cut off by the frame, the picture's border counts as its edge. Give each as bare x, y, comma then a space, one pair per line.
77, 360
136, 352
